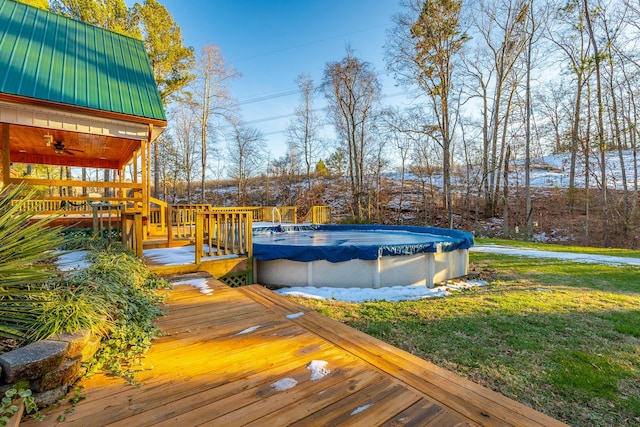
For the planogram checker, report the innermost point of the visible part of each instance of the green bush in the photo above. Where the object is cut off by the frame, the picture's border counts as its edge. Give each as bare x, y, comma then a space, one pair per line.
126, 290
26, 249
114, 296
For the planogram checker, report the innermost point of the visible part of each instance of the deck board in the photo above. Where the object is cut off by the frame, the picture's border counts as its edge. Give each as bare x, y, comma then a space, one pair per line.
221, 354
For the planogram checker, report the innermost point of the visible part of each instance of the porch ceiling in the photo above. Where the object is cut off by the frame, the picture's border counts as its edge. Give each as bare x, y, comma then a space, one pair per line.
69, 148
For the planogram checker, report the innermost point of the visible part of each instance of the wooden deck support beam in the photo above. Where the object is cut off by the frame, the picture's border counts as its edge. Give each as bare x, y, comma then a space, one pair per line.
6, 157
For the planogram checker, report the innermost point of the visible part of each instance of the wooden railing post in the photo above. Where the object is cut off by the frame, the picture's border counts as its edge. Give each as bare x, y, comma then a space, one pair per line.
170, 214
199, 236
163, 218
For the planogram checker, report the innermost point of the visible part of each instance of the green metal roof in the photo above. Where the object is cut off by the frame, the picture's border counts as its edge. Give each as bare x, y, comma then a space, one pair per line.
48, 57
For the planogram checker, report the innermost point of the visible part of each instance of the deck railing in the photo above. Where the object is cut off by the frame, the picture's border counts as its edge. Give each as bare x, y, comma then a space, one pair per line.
157, 216
223, 233
181, 221
131, 223
73, 205
318, 215
107, 218
181, 218
286, 214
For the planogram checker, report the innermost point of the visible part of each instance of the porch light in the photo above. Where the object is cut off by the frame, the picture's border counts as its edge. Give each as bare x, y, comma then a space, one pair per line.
48, 139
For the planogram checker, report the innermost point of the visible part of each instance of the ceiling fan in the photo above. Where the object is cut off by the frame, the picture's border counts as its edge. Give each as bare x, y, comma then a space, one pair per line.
59, 148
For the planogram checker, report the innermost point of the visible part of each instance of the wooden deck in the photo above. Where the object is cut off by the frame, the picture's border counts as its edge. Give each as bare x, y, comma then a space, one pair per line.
223, 353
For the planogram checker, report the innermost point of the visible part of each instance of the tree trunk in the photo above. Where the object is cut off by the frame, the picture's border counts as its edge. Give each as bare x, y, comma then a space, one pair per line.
575, 126
527, 149
601, 140
505, 193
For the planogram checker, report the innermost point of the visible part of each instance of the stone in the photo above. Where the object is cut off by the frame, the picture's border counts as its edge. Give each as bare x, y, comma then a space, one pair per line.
50, 397
32, 361
77, 342
67, 373
90, 348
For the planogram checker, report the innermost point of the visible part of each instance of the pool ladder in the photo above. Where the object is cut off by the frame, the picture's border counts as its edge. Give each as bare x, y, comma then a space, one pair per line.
273, 216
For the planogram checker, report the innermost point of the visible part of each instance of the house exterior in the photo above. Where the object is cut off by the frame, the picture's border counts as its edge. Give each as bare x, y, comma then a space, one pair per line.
75, 95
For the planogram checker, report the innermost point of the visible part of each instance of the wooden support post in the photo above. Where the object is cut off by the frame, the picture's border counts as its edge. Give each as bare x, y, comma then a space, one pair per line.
120, 192
148, 165
145, 183
199, 237
135, 166
170, 215
6, 158
139, 234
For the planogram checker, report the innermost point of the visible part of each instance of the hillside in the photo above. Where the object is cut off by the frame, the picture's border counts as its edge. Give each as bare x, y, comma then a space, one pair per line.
557, 216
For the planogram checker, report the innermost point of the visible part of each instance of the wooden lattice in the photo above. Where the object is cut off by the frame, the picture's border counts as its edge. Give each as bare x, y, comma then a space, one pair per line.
236, 280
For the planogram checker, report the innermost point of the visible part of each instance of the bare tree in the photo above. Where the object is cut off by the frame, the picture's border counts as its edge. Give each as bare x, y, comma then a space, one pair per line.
169, 168
353, 91
600, 124
615, 71
572, 40
501, 26
535, 24
395, 130
431, 41
212, 98
302, 132
245, 150
555, 107
185, 129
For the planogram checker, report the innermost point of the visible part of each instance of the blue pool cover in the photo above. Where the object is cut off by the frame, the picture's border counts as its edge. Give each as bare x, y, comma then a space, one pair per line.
337, 243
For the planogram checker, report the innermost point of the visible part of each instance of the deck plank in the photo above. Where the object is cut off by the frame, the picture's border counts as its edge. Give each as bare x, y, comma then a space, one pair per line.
476, 402
222, 354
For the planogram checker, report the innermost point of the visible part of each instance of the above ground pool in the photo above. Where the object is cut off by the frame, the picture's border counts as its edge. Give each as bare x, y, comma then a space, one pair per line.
361, 256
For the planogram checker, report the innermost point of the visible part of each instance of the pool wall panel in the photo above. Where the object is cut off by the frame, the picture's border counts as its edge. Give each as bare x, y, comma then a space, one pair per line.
424, 269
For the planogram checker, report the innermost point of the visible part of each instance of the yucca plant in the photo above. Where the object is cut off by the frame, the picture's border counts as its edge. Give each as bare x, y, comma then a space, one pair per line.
25, 247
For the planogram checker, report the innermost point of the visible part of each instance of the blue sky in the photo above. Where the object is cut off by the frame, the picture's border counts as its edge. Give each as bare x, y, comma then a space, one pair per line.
271, 41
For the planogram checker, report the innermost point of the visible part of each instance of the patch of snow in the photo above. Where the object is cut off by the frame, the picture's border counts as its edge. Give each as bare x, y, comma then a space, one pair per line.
284, 384
540, 237
171, 256
295, 315
178, 255
68, 261
200, 283
361, 408
248, 330
392, 293
318, 369
290, 292
564, 256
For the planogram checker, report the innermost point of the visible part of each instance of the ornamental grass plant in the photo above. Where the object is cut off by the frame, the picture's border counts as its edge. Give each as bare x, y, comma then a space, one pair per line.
114, 296
27, 248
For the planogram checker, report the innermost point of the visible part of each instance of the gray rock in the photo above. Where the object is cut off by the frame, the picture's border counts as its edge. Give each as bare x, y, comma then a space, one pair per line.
67, 373
32, 361
77, 342
50, 397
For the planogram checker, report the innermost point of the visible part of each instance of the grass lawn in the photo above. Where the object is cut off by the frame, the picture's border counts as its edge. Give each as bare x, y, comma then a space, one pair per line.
561, 337
627, 253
